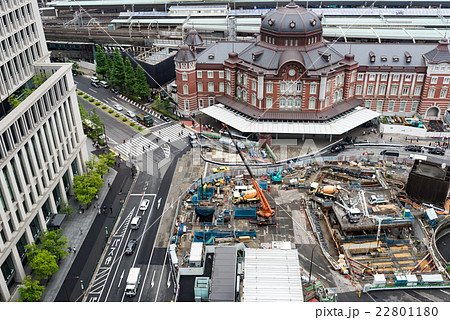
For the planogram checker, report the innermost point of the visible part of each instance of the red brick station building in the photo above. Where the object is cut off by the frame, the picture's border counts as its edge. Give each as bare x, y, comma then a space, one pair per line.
289, 80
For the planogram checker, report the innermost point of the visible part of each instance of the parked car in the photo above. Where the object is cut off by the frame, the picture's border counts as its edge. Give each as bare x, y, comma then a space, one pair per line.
221, 169
95, 84
104, 84
130, 114
94, 79
368, 153
131, 246
438, 151
337, 148
118, 107
192, 135
414, 148
114, 90
165, 118
144, 204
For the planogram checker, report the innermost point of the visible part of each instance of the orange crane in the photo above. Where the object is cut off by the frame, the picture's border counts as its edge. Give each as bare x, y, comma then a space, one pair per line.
265, 211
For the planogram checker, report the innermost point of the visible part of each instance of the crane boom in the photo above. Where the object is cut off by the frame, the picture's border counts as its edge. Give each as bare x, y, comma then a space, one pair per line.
266, 211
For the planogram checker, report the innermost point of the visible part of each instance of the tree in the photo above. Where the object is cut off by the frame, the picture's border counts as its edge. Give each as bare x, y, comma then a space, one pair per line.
75, 65
129, 75
101, 166
101, 64
31, 251
117, 76
141, 87
83, 112
109, 158
65, 208
44, 264
109, 65
31, 291
87, 186
55, 243
97, 123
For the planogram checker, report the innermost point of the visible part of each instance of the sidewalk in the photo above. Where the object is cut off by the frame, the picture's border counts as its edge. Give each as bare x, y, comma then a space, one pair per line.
76, 228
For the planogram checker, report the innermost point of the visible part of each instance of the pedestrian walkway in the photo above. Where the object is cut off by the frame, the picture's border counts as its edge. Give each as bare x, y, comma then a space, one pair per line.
135, 147
172, 133
75, 228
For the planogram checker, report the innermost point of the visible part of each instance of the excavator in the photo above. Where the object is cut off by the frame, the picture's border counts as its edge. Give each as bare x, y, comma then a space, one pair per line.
265, 212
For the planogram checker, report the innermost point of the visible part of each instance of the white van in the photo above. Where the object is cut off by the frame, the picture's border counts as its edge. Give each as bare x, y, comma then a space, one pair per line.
135, 223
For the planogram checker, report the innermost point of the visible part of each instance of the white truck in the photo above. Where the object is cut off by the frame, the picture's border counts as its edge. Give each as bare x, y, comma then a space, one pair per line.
133, 280
378, 199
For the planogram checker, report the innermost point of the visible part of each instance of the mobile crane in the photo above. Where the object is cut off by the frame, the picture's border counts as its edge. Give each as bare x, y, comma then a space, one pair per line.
265, 213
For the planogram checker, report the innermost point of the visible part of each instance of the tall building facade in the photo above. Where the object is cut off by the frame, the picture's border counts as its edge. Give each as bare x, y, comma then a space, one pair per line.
288, 73
42, 145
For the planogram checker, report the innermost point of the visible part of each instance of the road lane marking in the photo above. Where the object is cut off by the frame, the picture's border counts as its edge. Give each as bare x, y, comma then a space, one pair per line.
121, 277
93, 90
153, 278
159, 203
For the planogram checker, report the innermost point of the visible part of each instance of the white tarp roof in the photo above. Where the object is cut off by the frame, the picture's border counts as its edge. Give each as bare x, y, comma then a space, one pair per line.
196, 251
272, 275
339, 126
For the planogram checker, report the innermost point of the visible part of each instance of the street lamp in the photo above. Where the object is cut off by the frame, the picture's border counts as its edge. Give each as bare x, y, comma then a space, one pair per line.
311, 261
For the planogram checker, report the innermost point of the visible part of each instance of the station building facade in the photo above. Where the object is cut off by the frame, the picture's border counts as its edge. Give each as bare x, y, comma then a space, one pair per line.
42, 144
288, 73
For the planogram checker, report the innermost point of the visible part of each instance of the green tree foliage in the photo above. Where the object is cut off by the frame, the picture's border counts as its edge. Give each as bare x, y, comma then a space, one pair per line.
44, 264
166, 104
31, 251
118, 74
100, 166
141, 87
86, 186
30, 291
65, 208
129, 75
75, 65
40, 78
14, 100
108, 158
101, 63
55, 243
98, 124
83, 112
109, 64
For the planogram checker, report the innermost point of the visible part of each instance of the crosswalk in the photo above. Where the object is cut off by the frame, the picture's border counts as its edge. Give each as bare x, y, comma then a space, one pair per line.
171, 133
135, 147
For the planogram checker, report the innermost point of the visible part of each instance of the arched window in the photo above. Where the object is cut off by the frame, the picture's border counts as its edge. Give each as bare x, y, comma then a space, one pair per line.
298, 102
244, 95
282, 102
239, 93
290, 102
341, 94
335, 96
185, 89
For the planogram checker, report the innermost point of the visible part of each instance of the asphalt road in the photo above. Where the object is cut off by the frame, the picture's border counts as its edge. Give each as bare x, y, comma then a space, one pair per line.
88, 254
419, 295
156, 284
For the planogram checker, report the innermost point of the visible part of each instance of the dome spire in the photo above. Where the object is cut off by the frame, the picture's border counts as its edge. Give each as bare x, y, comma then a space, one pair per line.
292, 4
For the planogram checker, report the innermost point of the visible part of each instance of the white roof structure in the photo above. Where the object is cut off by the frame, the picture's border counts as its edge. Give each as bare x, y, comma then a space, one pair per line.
196, 252
272, 275
338, 126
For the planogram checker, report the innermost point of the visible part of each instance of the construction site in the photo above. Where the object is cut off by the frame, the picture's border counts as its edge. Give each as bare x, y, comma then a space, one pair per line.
246, 222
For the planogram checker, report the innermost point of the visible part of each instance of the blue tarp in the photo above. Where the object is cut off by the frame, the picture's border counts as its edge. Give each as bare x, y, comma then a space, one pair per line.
263, 184
244, 213
209, 236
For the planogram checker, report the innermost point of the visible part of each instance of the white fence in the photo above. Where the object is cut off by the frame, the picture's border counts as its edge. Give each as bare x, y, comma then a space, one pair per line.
411, 131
